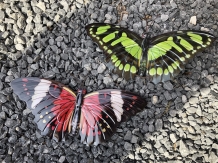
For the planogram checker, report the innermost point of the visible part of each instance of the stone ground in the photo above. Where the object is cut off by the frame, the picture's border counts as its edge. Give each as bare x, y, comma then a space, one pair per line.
46, 38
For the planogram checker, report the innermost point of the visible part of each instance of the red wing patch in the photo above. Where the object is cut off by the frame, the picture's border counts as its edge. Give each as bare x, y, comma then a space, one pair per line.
102, 111
52, 104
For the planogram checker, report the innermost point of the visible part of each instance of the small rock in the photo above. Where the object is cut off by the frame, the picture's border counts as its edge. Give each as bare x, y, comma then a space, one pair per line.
128, 135
168, 85
173, 137
205, 91
101, 68
193, 100
59, 39
64, 56
61, 159
199, 111
127, 146
2, 15
19, 47
107, 80
134, 139
1, 85
184, 99
154, 99
213, 157
26, 111
151, 128
205, 29
183, 149
173, 4
193, 20
10, 123
158, 124
3, 98
191, 110
10, 21
64, 3
12, 139
164, 17
48, 74
3, 115
167, 95
41, 5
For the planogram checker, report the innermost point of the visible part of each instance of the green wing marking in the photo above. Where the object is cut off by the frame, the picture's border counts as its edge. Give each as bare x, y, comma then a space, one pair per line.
120, 46
168, 53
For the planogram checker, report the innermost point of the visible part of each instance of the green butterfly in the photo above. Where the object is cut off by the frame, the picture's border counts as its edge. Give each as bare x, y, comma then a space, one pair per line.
159, 58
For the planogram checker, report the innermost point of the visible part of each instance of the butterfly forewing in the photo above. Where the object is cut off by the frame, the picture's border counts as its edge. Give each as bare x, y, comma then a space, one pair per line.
120, 46
51, 103
104, 110
168, 53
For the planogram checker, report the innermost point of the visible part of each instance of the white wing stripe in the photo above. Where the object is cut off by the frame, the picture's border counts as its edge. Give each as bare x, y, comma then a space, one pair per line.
38, 93
117, 104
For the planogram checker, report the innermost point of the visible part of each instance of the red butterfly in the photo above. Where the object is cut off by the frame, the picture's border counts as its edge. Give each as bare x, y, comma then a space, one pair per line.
58, 110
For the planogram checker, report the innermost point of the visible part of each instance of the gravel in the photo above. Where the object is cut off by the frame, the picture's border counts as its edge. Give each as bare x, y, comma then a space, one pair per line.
47, 39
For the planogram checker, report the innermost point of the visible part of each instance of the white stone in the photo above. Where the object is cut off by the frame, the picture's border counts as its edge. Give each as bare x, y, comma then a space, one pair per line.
41, 5
193, 20
19, 47
183, 149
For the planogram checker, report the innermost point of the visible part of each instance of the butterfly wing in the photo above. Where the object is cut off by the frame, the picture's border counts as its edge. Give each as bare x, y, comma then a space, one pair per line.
51, 103
168, 53
121, 46
102, 111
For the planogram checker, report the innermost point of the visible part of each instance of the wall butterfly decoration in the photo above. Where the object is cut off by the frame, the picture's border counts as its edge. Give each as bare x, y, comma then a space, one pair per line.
159, 58
59, 110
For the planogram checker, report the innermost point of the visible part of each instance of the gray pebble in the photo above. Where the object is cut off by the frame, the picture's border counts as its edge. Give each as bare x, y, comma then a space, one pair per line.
158, 124
10, 123
128, 146
3, 115
151, 128
173, 4
48, 74
107, 80
128, 136
3, 98
167, 95
164, 17
101, 68
134, 139
168, 85
191, 110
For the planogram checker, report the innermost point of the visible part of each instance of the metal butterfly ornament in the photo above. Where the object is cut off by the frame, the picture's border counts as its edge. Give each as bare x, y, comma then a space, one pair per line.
158, 58
59, 110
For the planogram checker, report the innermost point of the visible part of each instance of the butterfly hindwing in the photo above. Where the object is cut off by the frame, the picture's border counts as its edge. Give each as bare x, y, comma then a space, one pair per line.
121, 46
51, 103
168, 53
104, 110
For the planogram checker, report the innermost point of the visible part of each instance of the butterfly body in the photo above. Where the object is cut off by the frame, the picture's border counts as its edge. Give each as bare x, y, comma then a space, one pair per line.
158, 58
58, 110
77, 110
